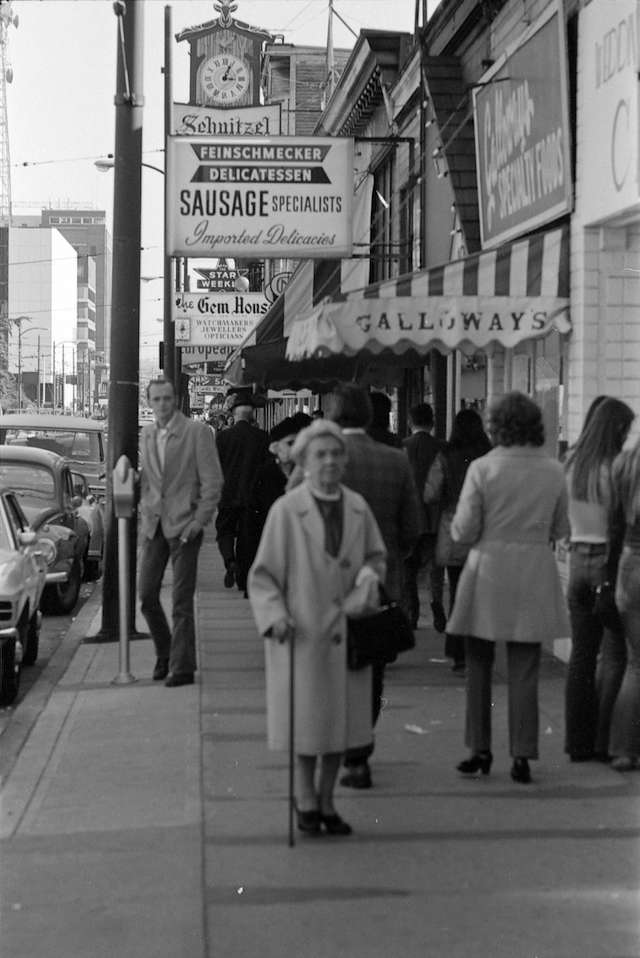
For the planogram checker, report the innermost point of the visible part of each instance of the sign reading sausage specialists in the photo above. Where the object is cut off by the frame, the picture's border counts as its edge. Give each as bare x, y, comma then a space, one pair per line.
609, 38
260, 196
522, 135
208, 319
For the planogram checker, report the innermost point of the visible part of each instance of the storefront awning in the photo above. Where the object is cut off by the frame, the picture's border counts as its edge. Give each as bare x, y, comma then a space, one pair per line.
504, 296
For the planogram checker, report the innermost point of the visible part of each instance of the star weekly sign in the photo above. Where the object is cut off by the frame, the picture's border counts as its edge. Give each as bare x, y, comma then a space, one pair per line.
269, 197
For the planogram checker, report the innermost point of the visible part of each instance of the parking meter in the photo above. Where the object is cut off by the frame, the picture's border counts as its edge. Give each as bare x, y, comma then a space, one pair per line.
123, 489
123, 507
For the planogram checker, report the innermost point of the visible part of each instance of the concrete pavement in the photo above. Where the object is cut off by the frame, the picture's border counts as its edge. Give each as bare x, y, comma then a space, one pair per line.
152, 822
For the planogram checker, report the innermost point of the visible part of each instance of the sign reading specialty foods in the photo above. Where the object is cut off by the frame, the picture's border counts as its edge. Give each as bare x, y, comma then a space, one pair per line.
207, 319
266, 197
522, 135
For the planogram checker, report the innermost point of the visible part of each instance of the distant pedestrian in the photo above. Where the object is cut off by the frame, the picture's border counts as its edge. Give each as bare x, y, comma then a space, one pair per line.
378, 428
588, 468
467, 442
180, 485
624, 741
270, 480
319, 541
421, 448
242, 449
512, 505
384, 479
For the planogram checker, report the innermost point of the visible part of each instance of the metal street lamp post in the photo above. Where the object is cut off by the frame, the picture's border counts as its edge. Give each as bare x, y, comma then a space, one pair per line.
19, 321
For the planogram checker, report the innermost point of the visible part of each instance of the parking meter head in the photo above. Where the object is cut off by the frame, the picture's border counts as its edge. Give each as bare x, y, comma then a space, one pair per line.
123, 488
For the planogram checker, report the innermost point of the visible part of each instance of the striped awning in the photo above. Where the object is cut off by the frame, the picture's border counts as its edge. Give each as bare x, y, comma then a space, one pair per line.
504, 296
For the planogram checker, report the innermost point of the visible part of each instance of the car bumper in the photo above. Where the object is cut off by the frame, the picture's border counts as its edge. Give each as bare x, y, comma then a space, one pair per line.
53, 577
9, 633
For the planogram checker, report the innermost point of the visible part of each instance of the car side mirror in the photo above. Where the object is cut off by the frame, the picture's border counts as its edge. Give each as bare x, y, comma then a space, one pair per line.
27, 537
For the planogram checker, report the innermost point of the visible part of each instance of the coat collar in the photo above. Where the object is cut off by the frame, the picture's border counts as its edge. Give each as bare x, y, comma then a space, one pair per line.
312, 523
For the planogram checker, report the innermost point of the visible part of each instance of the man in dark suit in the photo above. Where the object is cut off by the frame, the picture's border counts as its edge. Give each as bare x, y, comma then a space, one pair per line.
242, 449
381, 475
422, 448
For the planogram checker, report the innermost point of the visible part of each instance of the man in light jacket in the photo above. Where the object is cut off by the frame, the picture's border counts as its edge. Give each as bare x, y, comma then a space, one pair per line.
180, 486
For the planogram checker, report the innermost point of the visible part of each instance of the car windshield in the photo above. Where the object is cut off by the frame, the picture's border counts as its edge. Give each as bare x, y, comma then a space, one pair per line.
34, 485
74, 444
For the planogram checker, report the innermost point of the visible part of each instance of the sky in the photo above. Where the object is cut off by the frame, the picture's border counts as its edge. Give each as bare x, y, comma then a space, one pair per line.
60, 106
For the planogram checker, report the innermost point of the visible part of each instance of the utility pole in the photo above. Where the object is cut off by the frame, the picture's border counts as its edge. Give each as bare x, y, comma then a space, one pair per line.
168, 331
125, 321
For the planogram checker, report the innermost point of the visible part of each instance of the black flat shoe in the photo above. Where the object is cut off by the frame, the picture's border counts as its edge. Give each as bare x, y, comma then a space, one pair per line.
161, 670
179, 678
230, 576
308, 822
520, 771
480, 762
439, 617
335, 825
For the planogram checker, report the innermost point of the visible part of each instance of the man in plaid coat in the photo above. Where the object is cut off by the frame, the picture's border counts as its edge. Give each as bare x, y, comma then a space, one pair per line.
383, 476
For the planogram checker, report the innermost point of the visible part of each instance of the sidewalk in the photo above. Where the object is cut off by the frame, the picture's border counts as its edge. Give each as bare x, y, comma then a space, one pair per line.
152, 822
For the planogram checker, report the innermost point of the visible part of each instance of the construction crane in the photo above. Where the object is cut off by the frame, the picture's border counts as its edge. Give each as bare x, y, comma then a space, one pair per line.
7, 19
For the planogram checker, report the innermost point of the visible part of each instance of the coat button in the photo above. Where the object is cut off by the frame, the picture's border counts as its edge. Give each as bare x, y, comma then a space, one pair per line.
336, 639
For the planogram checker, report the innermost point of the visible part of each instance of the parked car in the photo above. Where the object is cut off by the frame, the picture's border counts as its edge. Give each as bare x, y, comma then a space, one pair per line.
23, 568
92, 511
43, 484
81, 441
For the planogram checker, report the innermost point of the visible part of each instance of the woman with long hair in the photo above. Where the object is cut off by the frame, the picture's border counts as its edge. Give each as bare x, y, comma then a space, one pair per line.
588, 472
624, 740
467, 441
512, 505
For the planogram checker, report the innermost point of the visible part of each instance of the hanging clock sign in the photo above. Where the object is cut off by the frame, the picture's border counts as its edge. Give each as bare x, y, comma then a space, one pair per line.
225, 60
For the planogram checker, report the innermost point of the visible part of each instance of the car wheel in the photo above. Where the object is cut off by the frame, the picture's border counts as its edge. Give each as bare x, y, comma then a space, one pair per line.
63, 596
32, 639
9, 672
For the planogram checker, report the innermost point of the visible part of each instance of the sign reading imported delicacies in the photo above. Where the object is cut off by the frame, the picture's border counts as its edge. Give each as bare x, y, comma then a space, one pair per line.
208, 319
522, 135
260, 196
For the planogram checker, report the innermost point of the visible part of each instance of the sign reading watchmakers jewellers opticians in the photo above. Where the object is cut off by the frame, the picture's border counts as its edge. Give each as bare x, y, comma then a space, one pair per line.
267, 197
522, 134
208, 319
609, 60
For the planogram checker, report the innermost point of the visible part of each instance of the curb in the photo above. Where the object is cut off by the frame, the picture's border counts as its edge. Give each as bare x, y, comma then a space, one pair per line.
25, 718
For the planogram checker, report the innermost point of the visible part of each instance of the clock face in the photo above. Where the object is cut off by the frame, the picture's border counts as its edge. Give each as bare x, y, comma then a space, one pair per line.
224, 79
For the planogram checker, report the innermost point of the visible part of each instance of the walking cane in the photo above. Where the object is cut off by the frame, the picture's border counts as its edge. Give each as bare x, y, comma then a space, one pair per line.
292, 797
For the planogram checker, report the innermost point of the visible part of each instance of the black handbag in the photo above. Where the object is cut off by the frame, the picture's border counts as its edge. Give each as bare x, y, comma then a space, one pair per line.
377, 639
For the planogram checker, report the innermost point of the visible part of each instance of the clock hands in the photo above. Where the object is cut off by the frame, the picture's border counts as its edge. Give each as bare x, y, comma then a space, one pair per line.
226, 75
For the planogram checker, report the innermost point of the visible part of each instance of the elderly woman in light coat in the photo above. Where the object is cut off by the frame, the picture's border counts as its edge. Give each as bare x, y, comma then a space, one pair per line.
512, 505
321, 555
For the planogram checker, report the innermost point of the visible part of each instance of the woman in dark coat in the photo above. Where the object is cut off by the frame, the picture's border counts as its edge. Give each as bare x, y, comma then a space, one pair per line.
271, 477
467, 442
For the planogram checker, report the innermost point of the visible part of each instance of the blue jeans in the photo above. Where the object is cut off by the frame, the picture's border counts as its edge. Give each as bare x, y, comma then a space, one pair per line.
625, 726
180, 646
588, 705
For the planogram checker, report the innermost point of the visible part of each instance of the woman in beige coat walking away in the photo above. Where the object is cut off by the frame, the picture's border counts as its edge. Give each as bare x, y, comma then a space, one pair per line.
321, 554
512, 505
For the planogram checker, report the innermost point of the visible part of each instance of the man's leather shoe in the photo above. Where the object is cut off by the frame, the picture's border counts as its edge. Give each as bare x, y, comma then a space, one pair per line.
179, 678
161, 670
357, 776
230, 576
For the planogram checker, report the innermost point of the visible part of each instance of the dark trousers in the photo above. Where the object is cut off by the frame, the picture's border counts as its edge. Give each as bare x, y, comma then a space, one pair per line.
523, 669
232, 539
422, 557
177, 645
360, 756
589, 701
454, 645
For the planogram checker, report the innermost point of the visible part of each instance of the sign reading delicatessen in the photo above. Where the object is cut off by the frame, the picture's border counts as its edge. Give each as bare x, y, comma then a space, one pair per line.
257, 197
522, 134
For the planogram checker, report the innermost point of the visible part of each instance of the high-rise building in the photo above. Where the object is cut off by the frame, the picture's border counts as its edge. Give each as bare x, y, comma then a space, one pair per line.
86, 230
